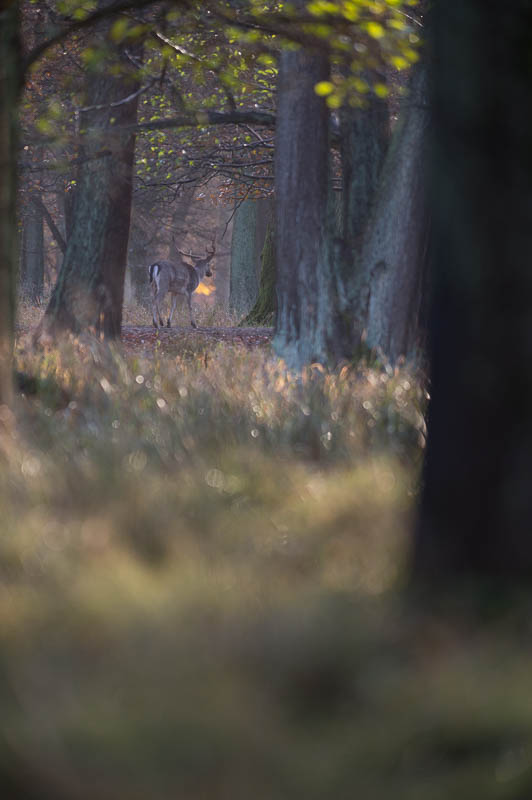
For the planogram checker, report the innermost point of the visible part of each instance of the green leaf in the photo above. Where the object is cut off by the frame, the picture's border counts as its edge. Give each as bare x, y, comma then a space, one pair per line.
375, 30
381, 90
119, 29
324, 88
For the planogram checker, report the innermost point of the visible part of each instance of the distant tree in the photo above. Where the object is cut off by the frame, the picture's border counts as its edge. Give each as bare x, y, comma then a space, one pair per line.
265, 308
32, 252
476, 504
249, 233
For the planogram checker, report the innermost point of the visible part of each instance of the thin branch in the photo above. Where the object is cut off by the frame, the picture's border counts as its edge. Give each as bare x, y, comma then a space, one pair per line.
160, 37
54, 230
117, 103
235, 210
205, 118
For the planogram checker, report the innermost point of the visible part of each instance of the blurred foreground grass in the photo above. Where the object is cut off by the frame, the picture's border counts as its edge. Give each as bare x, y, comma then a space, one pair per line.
201, 559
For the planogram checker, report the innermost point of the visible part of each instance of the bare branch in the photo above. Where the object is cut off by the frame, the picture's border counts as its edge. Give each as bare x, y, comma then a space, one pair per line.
54, 230
205, 118
117, 103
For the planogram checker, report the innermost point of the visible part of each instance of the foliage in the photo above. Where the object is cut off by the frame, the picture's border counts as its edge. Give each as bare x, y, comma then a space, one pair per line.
209, 56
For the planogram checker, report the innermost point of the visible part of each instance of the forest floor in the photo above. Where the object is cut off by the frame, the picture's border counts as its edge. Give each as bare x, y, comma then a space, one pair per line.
202, 564
143, 338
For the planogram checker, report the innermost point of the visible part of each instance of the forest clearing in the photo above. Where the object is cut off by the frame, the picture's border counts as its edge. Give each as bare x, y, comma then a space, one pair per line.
265, 429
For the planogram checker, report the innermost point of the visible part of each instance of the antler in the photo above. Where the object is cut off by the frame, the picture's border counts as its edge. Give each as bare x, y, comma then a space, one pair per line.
191, 255
188, 255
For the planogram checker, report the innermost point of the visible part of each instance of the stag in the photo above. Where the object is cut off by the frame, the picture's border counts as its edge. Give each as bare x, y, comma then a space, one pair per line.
177, 278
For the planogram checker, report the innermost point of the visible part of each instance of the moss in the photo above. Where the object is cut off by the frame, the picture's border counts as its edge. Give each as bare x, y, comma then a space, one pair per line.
264, 310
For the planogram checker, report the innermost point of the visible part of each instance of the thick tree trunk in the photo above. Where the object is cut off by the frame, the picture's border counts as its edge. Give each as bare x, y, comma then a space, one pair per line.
32, 254
476, 508
89, 290
10, 83
309, 325
394, 254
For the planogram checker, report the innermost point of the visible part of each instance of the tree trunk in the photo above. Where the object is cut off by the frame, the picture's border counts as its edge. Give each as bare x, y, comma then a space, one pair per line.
394, 253
32, 254
476, 506
309, 325
89, 290
245, 269
10, 84
263, 312
365, 136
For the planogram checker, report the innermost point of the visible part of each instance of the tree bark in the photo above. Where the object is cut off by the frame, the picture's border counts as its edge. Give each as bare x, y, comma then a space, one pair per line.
264, 310
476, 505
394, 254
90, 286
10, 84
364, 140
32, 253
309, 325
249, 233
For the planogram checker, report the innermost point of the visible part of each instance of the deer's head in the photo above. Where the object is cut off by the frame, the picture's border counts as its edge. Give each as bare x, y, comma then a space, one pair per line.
202, 262
209, 255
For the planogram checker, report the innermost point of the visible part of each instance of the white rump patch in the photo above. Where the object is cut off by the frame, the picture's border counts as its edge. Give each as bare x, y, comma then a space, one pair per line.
154, 272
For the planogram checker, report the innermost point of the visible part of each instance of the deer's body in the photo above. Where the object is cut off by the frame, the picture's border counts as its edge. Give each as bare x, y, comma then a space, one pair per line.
176, 278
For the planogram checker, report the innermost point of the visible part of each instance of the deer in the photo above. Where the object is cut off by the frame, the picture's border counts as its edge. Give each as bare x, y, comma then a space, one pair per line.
177, 278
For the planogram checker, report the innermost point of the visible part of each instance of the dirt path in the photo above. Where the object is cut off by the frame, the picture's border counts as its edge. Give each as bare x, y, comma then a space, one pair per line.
143, 338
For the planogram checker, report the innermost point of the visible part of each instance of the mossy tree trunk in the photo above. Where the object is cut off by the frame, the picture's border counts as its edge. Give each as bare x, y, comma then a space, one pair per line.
476, 507
244, 277
10, 85
89, 290
264, 310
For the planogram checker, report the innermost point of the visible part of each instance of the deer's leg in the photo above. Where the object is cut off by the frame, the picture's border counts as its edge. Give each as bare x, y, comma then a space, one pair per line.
155, 310
172, 309
189, 301
157, 302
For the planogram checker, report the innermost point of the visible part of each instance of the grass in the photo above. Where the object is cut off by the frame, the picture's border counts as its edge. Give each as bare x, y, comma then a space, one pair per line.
201, 571
206, 313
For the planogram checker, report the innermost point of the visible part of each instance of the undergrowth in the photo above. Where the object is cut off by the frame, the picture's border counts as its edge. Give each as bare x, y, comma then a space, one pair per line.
201, 562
